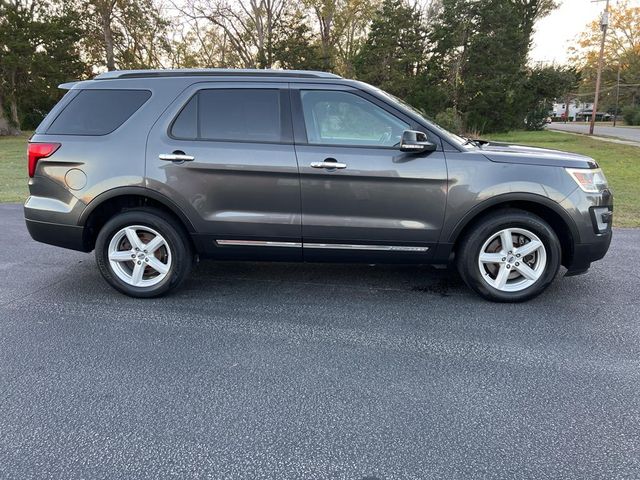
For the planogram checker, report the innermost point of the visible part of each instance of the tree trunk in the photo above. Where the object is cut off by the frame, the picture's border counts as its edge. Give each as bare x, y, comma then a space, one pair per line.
325, 39
13, 109
108, 39
5, 126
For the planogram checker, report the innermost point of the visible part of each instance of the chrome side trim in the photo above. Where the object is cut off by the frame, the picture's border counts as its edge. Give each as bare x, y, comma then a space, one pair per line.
329, 246
256, 243
386, 248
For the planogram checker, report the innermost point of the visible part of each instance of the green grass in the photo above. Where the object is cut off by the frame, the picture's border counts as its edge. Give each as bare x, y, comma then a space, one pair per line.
13, 168
621, 164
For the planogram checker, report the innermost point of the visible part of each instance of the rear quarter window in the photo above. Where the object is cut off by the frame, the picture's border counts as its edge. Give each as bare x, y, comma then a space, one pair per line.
98, 112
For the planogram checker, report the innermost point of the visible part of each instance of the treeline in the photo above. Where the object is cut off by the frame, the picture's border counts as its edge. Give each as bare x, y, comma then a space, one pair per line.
463, 62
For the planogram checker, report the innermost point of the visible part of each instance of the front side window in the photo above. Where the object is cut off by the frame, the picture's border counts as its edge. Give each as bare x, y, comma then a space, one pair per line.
342, 118
252, 115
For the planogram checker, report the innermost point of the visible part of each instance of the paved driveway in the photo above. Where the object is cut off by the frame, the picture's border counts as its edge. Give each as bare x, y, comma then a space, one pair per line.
285, 371
625, 133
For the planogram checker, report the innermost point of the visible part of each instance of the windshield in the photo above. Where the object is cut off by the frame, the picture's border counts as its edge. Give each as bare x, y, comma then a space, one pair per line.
449, 135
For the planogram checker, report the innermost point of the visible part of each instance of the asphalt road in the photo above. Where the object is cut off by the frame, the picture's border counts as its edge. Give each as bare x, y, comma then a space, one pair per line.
285, 371
625, 133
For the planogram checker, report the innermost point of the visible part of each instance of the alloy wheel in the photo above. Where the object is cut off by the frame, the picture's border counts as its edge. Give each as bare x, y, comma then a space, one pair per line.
139, 256
512, 259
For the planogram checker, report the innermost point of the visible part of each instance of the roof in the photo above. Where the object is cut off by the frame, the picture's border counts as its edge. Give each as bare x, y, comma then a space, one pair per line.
213, 72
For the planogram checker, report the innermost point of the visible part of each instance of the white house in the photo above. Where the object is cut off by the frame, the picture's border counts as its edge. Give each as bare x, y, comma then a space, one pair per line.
576, 109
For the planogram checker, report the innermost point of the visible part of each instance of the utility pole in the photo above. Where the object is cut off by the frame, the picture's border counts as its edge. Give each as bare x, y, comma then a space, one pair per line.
604, 23
615, 115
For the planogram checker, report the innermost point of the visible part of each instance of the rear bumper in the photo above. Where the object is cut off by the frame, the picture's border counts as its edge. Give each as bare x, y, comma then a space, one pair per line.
66, 236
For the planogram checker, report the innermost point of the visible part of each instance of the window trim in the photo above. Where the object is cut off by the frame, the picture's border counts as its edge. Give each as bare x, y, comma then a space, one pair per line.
286, 130
80, 90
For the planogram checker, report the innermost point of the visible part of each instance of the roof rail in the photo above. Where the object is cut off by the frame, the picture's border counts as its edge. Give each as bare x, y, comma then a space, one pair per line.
213, 72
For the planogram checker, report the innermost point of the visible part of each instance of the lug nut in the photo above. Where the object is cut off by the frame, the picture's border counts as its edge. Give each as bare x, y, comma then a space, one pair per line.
518, 255
504, 258
508, 266
139, 262
133, 255
517, 264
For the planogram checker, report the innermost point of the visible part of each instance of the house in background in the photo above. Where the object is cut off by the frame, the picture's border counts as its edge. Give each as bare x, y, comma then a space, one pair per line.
577, 112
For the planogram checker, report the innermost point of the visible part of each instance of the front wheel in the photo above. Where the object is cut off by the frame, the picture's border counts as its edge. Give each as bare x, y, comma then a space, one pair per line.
143, 253
509, 256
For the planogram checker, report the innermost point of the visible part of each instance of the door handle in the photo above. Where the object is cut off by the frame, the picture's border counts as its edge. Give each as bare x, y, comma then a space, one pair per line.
328, 163
177, 156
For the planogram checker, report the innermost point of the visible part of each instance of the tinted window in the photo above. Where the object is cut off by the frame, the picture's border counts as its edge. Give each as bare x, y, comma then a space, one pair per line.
186, 124
231, 114
342, 118
98, 112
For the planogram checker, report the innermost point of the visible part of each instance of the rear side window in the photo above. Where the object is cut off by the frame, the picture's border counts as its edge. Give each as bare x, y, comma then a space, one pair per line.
231, 115
98, 112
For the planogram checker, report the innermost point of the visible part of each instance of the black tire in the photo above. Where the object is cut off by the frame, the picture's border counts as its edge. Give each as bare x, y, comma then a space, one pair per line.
469, 248
181, 252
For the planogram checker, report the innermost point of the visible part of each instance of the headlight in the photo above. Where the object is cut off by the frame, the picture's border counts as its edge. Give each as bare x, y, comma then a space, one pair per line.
589, 180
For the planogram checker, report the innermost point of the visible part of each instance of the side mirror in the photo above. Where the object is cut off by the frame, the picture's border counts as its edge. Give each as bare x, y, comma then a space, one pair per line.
416, 142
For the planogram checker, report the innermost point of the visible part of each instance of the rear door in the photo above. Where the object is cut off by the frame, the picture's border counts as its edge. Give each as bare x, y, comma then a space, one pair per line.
224, 151
362, 198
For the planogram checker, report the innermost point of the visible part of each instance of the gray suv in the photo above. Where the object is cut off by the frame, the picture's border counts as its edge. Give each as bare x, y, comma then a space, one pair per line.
153, 169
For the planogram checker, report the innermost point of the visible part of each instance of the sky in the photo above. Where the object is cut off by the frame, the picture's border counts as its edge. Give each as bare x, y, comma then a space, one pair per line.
557, 32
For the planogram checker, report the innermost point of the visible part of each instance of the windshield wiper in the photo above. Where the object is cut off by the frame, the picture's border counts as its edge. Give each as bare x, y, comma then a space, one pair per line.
474, 141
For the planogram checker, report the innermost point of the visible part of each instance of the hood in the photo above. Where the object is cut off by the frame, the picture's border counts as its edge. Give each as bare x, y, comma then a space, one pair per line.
510, 153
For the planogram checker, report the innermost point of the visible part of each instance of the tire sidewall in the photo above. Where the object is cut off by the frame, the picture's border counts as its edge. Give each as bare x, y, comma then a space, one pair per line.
468, 266
178, 245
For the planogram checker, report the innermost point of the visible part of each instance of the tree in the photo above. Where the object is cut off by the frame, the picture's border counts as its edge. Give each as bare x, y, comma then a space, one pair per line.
39, 45
543, 85
295, 45
392, 56
248, 25
342, 26
123, 34
479, 50
622, 51
351, 28
325, 12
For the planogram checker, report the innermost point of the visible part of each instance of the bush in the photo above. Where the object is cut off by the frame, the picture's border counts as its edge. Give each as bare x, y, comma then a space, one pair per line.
451, 120
631, 115
537, 118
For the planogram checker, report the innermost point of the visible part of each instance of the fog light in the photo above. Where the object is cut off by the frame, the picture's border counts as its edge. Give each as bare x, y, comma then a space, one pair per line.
601, 217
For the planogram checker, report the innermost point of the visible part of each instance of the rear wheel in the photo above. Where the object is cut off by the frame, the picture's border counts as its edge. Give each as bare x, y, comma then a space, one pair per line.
143, 253
509, 256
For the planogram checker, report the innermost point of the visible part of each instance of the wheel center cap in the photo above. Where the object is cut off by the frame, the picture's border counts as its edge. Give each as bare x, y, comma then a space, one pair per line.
141, 255
511, 259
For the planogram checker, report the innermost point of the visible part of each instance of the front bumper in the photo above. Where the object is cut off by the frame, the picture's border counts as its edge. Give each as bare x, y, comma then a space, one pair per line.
585, 253
593, 216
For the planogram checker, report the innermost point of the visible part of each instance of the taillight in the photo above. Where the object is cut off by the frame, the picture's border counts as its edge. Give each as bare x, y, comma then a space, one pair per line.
36, 151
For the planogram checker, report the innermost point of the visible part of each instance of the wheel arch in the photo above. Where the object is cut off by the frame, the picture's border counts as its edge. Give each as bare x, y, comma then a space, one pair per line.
114, 201
547, 209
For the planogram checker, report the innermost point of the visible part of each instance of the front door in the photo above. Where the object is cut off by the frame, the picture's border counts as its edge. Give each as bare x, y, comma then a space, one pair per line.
362, 198
224, 152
